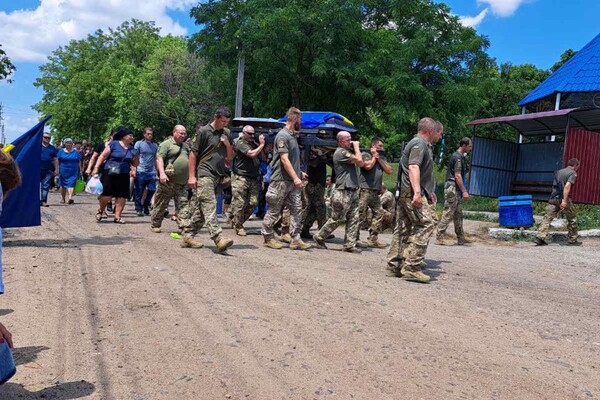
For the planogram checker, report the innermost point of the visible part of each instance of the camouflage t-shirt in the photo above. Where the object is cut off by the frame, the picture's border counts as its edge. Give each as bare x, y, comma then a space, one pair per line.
346, 172
208, 141
285, 142
418, 152
561, 177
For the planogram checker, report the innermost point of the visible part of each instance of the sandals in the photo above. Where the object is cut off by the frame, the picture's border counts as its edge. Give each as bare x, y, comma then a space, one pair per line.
99, 216
118, 221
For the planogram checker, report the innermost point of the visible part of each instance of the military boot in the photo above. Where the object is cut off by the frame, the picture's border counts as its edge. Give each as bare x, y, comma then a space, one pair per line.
240, 232
319, 241
375, 243
298, 244
188, 241
285, 237
461, 241
361, 244
273, 244
223, 244
155, 229
355, 250
415, 276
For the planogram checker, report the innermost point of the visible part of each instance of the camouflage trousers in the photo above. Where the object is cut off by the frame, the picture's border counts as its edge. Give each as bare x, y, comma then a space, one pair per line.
201, 209
369, 200
313, 206
552, 212
280, 193
452, 212
414, 227
344, 211
245, 197
164, 193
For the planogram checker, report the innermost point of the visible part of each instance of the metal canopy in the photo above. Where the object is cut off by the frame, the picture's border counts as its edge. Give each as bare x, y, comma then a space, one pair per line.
548, 122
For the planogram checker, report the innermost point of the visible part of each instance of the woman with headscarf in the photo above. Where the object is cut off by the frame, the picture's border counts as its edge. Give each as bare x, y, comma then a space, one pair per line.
69, 168
120, 157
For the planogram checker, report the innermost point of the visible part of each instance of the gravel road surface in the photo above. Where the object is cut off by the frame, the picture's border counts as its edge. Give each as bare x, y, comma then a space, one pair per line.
108, 311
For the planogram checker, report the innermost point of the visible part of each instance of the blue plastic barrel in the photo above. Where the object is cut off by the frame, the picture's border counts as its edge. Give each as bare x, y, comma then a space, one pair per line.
515, 211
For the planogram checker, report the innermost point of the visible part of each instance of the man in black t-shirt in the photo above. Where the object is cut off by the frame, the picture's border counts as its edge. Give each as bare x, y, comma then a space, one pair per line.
244, 178
455, 192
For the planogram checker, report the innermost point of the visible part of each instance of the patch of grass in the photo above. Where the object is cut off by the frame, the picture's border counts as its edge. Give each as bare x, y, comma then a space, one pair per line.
479, 217
517, 236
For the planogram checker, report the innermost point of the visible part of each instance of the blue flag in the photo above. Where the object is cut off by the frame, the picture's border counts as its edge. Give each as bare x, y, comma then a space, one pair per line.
22, 206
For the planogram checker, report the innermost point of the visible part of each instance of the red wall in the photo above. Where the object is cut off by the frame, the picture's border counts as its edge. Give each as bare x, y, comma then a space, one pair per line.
585, 146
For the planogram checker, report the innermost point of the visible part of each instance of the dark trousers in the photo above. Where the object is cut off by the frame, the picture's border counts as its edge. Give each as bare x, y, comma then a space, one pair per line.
46, 178
144, 181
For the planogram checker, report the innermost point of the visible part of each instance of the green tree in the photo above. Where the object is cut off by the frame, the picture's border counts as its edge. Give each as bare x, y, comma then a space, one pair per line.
173, 88
382, 63
6, 66
564, 57
81, 80
501, 89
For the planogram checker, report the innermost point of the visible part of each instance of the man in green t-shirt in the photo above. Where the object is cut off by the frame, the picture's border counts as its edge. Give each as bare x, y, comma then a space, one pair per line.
455, 192
172, 167
415, 210
286, 184
244, 177
560, 202
206, 168
344, 201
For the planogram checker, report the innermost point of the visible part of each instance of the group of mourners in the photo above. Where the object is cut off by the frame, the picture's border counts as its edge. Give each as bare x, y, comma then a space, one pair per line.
191, 174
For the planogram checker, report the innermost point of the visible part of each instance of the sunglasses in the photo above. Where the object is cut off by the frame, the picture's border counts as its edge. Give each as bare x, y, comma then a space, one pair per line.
46, 137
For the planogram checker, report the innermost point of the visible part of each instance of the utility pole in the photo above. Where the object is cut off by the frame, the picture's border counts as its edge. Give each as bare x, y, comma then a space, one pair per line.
239, 93
2, 138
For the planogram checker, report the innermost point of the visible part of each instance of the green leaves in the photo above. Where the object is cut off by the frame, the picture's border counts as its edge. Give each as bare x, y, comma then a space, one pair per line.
128, 76
6, 66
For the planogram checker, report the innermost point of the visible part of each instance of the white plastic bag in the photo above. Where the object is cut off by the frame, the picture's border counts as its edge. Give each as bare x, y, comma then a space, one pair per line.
94, 186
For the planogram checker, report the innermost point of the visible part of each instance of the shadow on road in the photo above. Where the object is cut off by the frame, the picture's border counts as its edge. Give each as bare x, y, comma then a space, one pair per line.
434, 268
77, 242
25, 355
62, 391
5, 311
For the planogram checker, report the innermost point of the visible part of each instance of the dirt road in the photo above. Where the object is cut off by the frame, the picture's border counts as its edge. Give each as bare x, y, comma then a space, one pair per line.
107, 311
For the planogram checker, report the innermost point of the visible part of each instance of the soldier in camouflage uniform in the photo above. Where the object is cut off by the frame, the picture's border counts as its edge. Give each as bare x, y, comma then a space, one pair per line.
172, 166
206, 167
344, 202
244, 178
455, 173
560, 202
371, 181
387, 203
286, 184
314, 197
415, 209
329, 188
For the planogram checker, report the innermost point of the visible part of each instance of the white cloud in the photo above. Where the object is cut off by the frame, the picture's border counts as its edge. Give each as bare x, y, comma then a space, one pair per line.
503, 8
30, 35
17, 124
473, 21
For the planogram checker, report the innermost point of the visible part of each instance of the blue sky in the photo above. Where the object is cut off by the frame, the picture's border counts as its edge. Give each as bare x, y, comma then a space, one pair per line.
521, 31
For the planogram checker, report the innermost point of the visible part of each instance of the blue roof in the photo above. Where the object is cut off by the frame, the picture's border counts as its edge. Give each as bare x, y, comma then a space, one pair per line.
580, 74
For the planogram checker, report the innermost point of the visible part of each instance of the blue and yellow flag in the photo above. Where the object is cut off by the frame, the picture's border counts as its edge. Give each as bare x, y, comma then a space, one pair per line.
22, 206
